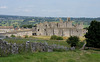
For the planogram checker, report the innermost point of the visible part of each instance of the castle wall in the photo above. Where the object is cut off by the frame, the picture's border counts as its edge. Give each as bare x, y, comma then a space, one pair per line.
56, 31
69, 24
66, 32
60, 29
76, 32
50, 32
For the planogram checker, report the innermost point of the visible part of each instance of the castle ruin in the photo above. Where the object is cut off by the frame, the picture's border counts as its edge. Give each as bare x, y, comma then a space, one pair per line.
59, 28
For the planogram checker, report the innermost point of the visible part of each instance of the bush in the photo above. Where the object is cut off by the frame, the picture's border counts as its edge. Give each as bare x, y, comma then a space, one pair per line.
80, 44
7, 37
26, 36
54, 37
12, 35
59, 38
73, 41
18, 36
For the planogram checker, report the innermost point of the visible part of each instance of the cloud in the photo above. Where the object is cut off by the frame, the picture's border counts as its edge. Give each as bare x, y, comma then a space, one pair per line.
3, 7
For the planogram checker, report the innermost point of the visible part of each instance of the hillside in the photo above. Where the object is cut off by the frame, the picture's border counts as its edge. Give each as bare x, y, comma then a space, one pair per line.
8, 20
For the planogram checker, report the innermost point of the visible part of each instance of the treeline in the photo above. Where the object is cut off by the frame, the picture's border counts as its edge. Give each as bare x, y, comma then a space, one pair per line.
7, 20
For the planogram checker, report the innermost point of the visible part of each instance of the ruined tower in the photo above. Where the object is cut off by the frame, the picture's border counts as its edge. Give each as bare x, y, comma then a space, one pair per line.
68, 19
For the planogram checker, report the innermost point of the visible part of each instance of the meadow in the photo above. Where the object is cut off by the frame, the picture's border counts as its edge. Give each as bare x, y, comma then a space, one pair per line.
65, 56
69, 56
50, 42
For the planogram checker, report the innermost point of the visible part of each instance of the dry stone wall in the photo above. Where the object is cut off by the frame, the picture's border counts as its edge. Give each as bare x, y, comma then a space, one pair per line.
13, 48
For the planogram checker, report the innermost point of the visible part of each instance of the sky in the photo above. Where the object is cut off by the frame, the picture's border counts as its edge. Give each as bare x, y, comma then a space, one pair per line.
51, 8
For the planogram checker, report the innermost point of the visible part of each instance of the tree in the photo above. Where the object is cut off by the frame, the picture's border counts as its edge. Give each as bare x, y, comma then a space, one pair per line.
27, 26
73, 41
93, 34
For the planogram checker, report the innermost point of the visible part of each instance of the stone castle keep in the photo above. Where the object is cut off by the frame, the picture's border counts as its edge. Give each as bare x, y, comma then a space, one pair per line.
59, 28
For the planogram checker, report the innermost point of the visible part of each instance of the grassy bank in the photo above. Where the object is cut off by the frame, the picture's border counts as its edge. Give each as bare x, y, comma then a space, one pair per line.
69, 56
50, 42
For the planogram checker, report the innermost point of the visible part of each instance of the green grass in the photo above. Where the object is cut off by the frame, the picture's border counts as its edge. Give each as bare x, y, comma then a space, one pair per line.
86, 26
50, 42
69, 56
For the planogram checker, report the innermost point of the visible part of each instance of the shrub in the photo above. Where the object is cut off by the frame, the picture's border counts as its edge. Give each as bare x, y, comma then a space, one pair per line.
59, 38
18, 36
12, 35
26, 36
7, 37
80, 44
73, 41
53, 37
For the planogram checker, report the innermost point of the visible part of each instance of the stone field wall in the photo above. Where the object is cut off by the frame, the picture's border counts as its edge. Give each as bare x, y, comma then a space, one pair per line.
13, 48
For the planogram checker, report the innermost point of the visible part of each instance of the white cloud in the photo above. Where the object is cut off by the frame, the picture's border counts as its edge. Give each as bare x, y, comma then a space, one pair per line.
3, 7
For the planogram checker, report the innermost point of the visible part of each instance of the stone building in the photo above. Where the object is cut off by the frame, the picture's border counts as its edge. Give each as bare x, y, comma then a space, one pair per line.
4, 29
17, 33
59, 28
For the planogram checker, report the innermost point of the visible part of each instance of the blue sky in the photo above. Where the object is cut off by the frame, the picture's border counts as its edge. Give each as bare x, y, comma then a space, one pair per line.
51, 8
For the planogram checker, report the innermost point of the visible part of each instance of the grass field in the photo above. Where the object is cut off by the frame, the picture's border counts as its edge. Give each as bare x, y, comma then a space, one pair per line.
69, 56
40, 39
50, 42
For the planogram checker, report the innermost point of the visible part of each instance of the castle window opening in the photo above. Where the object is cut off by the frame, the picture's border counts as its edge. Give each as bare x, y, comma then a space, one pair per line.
44, 29
34, 34
38, 29
46, 25
57, 24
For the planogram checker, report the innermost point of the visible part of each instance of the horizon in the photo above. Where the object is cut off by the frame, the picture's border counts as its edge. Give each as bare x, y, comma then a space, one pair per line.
52, 8
46, 16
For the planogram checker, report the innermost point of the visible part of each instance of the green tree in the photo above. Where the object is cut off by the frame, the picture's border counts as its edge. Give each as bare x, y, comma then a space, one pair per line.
73, 41
27, 26
93, 35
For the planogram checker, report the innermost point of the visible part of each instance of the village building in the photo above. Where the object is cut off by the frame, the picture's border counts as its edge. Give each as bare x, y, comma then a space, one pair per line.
19, 32
4, 29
